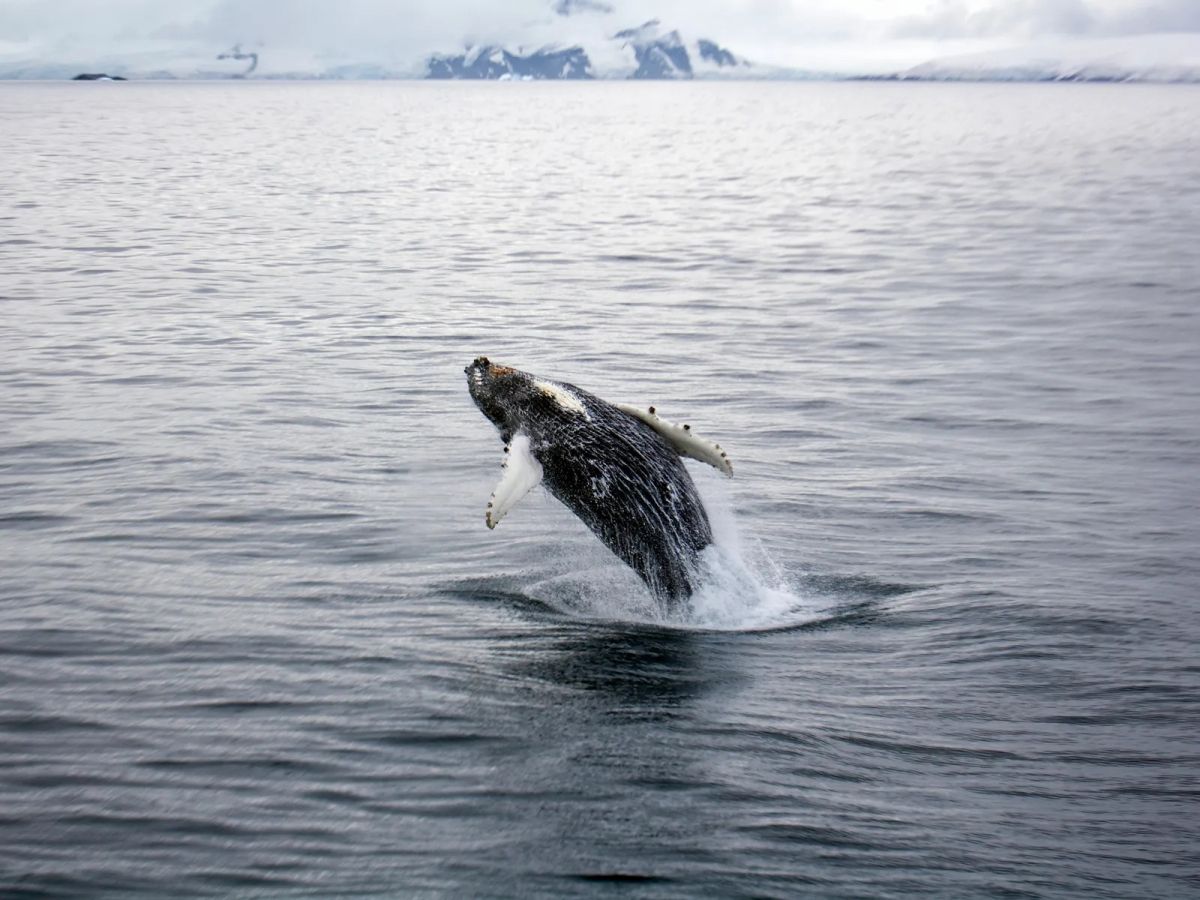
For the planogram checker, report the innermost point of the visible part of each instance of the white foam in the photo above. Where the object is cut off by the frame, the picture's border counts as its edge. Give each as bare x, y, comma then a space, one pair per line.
741, 587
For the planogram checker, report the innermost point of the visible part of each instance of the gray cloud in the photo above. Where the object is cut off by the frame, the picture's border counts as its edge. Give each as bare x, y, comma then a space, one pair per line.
359, 25
388, 31
951, 19
1161, 16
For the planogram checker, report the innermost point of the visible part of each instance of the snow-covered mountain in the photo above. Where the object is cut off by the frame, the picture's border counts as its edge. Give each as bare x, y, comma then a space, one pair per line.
646, 52
567, 39
1164, 58
586, 39
492, 62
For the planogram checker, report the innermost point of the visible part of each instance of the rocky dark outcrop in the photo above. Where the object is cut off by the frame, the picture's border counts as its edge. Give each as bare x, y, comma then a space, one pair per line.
715, 53
98, 76
493, 63
659, 56
656, 55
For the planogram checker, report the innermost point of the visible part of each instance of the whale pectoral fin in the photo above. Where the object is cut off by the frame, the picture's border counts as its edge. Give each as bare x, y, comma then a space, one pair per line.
681, 438
522, 473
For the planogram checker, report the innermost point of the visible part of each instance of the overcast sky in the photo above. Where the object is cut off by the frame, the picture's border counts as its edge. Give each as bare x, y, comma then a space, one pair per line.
786, 32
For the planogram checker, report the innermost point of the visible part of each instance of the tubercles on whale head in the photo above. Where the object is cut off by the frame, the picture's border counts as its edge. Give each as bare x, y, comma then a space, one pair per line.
507, 396
495, 390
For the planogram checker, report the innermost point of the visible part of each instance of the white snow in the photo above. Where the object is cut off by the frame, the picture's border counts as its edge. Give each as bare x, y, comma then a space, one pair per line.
1160, 57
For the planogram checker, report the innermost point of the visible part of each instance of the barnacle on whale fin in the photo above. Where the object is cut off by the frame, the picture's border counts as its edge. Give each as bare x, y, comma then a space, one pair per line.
682, 439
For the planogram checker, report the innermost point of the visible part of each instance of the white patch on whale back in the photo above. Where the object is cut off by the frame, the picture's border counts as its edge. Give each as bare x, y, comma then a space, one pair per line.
680, 438
562, 397
522, 473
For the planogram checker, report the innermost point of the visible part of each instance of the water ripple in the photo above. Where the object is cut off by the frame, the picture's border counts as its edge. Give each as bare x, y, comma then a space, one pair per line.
257, 641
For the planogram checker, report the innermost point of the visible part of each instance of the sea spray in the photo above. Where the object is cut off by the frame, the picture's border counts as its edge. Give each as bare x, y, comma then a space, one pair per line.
741, 588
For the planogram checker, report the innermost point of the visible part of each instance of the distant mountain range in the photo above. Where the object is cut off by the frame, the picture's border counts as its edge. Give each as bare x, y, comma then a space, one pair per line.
1163, 59
586, 39
1034, 73
645, 53
652, 52
496, 63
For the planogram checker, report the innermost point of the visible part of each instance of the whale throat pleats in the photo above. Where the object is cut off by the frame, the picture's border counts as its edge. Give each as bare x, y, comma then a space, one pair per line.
681, 438
522, 473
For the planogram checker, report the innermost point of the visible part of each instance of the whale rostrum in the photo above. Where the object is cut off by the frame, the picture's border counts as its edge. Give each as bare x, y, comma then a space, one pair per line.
617, 467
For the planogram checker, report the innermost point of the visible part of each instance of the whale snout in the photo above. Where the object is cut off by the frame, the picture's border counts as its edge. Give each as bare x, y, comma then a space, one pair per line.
483, 369
478, 374
484, 379
496, 390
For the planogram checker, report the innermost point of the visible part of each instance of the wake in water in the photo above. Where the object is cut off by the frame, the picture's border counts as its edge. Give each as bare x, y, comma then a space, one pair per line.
740, 587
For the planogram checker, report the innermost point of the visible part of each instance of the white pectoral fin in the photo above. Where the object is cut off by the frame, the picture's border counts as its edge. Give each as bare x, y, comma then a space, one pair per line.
522, 473
681, 438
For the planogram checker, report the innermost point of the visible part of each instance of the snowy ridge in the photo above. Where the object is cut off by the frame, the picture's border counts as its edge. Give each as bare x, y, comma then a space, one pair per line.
496, 63
1173, 58
647, 52
593, 39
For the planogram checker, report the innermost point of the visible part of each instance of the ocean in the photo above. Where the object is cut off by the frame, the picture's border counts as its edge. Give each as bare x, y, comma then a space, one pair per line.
258, 642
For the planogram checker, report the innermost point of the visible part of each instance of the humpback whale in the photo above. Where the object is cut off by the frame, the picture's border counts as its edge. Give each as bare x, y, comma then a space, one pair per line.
617, 467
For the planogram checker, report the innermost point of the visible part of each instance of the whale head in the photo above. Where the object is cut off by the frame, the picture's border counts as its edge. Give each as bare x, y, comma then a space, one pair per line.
516, 401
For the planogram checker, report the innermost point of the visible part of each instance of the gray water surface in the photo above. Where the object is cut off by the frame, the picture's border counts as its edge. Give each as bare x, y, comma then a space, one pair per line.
257, 641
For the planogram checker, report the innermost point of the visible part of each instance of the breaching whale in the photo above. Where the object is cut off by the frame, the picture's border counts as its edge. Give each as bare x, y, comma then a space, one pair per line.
617, 467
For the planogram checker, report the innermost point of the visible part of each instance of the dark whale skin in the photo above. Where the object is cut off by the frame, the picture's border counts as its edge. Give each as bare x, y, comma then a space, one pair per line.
613, 471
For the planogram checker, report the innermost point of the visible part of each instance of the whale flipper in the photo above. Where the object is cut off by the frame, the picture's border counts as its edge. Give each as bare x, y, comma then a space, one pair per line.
681, 438
522, 473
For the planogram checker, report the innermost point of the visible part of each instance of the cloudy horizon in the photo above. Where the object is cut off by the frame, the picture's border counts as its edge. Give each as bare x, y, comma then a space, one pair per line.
866, 35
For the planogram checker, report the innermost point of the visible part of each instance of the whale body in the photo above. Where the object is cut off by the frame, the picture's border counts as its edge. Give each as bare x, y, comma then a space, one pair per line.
618, 468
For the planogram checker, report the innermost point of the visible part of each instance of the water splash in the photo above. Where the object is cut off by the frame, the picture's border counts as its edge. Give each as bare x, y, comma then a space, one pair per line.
741, 587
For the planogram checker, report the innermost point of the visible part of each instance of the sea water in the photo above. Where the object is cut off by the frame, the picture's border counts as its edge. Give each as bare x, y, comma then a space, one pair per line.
256, 639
